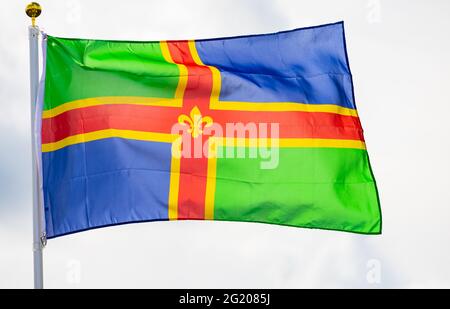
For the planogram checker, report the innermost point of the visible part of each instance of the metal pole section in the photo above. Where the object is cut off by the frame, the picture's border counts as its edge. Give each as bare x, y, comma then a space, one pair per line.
33, 33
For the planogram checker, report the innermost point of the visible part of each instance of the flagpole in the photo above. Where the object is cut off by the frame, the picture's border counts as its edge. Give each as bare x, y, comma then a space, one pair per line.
33, 10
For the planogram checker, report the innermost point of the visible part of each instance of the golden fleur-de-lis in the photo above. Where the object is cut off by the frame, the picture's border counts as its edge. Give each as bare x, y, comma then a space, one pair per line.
195, 122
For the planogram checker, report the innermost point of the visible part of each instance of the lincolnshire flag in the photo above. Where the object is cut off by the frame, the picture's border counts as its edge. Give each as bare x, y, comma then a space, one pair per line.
259, 128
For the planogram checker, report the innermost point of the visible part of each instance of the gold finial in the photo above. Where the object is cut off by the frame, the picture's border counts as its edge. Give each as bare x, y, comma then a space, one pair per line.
33, 10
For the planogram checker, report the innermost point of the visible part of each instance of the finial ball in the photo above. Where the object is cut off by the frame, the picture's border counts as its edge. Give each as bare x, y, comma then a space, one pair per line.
33, 9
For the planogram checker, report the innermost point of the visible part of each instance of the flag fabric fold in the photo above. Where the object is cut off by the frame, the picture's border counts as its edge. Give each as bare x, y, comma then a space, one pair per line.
259, 128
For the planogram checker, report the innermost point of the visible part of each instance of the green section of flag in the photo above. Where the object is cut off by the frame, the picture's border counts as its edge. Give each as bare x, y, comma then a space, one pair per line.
78, 69
328, 188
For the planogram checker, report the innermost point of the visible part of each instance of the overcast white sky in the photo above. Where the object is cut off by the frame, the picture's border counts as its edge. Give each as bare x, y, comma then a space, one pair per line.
399, 54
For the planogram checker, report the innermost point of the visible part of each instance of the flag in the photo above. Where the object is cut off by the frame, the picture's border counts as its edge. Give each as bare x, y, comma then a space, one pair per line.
259, 128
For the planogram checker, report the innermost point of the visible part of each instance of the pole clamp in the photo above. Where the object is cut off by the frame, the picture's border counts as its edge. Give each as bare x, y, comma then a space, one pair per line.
39, 245
43, 240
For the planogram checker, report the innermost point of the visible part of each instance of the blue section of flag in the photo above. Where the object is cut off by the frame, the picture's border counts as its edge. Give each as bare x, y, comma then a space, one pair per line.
105, 182
305, 65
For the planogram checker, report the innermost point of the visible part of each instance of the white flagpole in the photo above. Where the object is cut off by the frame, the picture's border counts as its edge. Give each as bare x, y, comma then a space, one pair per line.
33, 10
